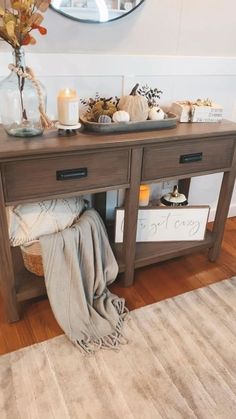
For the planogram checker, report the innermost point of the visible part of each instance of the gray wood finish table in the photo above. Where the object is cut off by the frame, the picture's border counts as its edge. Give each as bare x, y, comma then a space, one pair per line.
33, 169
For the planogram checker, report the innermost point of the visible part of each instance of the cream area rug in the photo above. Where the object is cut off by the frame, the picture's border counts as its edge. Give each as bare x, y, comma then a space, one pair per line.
180, 362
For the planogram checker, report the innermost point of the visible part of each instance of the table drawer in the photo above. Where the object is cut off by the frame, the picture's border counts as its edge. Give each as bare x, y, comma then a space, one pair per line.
45, 177
186, 157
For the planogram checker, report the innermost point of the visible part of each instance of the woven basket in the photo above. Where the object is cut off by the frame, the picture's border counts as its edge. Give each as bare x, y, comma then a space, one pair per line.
32, 258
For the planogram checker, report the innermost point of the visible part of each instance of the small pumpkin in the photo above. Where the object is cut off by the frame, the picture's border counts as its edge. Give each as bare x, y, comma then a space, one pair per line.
103, 107
120, 116
156, 114
135, 105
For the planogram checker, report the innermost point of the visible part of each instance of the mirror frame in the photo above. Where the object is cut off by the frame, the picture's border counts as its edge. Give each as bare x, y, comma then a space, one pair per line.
76, 19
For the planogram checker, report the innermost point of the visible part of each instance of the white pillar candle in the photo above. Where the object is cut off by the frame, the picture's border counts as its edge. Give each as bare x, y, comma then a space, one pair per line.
144, 195
68, 107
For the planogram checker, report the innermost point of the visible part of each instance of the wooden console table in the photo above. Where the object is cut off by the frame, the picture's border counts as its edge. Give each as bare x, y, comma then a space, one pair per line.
51, 166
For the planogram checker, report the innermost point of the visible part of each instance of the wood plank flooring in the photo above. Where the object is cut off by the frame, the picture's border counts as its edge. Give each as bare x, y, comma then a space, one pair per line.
152, 284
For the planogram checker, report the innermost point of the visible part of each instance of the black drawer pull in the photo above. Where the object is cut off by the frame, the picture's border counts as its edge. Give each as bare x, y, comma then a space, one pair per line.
72, 173
190, 158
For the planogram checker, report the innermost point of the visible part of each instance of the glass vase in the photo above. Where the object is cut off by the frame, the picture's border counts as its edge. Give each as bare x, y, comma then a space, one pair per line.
19, 102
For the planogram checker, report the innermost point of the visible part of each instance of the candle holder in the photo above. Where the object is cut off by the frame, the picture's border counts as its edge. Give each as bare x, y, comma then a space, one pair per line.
67, 130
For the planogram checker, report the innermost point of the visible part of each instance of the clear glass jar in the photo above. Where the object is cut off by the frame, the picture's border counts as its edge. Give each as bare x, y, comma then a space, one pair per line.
19, 102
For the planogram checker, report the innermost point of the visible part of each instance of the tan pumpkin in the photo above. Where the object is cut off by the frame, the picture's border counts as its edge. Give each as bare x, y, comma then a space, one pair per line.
135, 105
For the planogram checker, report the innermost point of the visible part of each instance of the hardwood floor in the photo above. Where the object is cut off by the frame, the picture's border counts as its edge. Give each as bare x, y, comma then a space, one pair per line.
152, 284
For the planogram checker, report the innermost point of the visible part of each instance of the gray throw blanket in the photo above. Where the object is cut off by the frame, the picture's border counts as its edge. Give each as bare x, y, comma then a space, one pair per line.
78, 265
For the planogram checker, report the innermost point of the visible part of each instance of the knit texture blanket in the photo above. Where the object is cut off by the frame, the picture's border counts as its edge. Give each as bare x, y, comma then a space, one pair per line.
78, 265
27, 222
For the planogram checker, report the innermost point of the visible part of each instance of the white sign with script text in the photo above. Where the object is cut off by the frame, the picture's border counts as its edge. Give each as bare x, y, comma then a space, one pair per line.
166, 224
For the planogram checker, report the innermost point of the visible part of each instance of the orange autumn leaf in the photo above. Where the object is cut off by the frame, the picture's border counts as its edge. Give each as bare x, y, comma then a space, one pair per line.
29, 39
36, 19
43, 5
42, 30
32, 40
26, 39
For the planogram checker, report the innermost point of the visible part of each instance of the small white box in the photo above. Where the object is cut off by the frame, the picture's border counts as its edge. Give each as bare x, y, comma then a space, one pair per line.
182, 110
188, 111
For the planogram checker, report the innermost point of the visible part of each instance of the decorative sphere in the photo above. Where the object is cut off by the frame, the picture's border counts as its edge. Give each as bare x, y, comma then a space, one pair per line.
104, 119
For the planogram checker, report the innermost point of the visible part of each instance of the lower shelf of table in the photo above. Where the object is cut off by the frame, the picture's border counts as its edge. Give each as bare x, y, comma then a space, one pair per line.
149, 253
30, 286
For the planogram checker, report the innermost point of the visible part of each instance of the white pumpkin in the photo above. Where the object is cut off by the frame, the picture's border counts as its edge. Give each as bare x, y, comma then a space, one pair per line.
156, 114
121, 116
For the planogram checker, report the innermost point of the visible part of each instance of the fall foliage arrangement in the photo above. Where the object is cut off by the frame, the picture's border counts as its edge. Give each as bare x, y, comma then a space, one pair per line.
140, 105
18, 18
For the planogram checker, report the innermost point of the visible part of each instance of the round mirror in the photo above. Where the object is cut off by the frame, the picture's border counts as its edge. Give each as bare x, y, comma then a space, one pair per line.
95, 10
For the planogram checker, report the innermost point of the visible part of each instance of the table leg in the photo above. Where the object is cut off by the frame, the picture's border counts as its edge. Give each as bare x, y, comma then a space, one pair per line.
100, 202
184, 186
7, 279
222, 210
131, 216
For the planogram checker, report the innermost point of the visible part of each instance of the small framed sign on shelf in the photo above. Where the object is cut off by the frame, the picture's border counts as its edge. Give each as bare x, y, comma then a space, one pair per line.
166, 224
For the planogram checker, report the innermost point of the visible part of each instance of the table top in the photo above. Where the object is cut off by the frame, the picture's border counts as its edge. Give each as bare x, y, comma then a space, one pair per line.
51, 143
